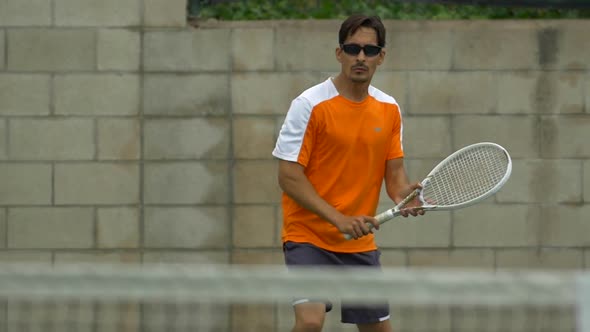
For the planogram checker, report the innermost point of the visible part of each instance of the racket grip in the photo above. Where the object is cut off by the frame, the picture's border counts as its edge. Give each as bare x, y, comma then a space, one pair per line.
391, 213
381, 218
384, 216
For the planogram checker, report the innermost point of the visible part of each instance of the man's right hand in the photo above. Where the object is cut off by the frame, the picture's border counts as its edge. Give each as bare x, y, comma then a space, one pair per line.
356, 226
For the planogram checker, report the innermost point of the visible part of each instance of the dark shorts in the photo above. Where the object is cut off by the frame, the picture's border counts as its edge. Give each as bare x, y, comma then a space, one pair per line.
305, 254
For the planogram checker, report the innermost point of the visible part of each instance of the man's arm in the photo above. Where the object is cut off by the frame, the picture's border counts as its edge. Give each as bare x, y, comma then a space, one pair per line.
398, 186
296, 185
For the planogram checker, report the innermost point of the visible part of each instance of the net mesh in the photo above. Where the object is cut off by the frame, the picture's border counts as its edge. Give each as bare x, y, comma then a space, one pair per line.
239, 298
467, 176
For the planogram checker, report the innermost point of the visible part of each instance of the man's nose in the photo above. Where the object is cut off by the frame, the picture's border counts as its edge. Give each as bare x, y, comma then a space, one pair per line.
361, 56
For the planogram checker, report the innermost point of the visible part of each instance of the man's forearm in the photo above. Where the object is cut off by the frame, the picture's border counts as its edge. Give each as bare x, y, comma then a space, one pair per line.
302, 191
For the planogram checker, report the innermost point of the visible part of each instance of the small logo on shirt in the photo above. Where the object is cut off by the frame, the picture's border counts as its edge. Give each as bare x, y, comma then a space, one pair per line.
377, 129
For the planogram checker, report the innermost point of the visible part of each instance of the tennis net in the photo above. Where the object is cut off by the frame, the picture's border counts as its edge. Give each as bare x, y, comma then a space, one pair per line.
237, 298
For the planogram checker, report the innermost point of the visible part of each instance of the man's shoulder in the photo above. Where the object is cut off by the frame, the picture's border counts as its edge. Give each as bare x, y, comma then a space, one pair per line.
382, 96
319, 93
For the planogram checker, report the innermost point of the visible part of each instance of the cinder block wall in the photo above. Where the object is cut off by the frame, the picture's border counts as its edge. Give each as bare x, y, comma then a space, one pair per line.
126, 136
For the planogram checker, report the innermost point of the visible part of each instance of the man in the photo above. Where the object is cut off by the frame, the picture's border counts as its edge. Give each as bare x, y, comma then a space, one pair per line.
340, 140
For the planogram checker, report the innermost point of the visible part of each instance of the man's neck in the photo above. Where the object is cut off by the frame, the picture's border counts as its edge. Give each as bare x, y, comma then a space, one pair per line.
356, 92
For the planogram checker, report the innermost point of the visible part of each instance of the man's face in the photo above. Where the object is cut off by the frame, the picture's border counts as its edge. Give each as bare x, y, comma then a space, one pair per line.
360, 68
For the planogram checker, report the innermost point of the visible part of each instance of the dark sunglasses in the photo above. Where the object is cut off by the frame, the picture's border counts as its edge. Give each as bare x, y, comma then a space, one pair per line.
355, 49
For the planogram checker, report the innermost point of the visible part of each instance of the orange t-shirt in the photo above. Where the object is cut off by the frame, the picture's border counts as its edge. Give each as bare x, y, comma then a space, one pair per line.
344, 146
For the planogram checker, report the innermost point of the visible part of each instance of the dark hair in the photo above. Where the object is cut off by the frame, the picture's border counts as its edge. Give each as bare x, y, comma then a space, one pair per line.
354, 22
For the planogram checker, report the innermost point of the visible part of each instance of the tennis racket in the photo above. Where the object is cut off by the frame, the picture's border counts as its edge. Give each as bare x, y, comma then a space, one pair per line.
464, 178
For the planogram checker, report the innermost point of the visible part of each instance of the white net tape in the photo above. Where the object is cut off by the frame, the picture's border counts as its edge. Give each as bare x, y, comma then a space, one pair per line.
257, 298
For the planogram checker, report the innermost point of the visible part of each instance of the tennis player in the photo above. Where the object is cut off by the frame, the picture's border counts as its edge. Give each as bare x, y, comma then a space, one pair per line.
340, 140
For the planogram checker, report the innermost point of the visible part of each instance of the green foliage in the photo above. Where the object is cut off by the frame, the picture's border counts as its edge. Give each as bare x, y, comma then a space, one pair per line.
386, 9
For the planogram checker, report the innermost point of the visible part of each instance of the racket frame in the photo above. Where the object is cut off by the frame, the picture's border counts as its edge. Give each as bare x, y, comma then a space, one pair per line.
396, 210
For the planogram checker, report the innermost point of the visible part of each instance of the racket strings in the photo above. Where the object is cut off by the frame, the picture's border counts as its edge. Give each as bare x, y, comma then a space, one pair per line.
467, 176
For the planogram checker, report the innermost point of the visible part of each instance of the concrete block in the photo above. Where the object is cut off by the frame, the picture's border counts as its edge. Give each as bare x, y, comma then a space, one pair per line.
322, 42
40, 257
254, 226
546, 92
201, 315
565, 226
186, 183
3, 141
254, 137
25, 12
118, 139
256, 182
544, 259
393, 258
192, 50
186, 257
496, 226
394, 83
432, 230
518, 134
254, 317
253, 49
103, 13
427, 137
195, 95
573, 46
25, 184
51, 49
97, 183
543, 181
118, 227
258, 256
51, 139
38, 315
187, 227
418, 169
3, 228
559, 92
424, 47
485, 45
50, 228
565, 137
186, 138
2, 50
118, 49
520, 92
125, 316
116, 258
165, 13
452, 92
456, 258
548, 39
24, 94
77, 94
250, 91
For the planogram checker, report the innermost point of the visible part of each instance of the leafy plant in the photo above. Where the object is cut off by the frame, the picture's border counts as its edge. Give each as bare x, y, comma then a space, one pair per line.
386, 9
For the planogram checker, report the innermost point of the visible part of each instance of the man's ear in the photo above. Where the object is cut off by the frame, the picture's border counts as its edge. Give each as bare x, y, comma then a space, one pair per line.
381, 57
338, 53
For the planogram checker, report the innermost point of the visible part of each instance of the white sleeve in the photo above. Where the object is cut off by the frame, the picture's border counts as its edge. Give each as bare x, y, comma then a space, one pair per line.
293, 130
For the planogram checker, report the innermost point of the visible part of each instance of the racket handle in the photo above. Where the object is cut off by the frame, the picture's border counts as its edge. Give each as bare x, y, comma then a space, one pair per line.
408, 199
391, 213
381, 218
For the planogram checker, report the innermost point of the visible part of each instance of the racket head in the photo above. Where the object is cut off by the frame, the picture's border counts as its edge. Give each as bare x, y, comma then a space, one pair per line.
466, 177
